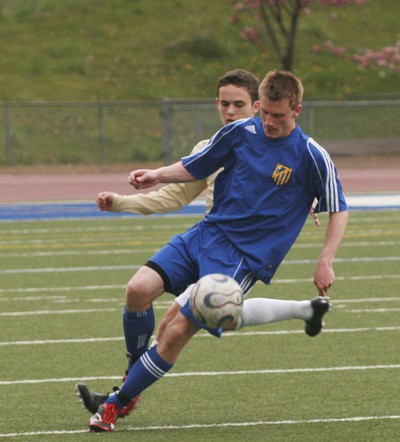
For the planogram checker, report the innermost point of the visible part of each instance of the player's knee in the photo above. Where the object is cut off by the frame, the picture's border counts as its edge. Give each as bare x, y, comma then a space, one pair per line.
161, 327
171, 312
179, 331
136, 296
141, 290
136, 287
177, 334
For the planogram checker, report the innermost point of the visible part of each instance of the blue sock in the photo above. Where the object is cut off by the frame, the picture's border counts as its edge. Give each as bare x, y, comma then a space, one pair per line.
138, 328
147, 370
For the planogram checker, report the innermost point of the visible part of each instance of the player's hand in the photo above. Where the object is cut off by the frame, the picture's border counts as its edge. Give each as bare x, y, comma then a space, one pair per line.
105, 200
315, 218
324, 278
314, 215
143, 178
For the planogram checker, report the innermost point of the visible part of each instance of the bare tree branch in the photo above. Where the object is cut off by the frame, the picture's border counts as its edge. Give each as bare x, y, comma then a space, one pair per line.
270, 30
280, 19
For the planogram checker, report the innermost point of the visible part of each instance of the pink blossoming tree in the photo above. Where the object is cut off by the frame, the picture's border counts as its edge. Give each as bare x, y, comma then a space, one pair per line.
274, 23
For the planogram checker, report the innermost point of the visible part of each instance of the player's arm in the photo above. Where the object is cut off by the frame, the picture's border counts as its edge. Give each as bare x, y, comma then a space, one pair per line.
324, 275
175, 173
169, 198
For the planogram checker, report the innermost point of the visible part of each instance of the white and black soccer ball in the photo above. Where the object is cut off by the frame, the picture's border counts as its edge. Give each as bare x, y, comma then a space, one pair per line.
216, 300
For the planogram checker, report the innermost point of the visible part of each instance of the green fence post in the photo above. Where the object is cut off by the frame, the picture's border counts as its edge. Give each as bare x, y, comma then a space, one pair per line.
9, 137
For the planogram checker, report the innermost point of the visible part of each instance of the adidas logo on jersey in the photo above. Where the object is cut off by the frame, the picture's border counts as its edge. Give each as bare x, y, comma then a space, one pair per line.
251, 129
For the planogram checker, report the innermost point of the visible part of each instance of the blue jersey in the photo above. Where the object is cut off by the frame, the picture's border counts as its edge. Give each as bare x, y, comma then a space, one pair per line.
264, 195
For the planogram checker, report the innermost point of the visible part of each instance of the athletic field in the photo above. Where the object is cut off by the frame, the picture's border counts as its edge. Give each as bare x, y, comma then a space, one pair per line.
61, 299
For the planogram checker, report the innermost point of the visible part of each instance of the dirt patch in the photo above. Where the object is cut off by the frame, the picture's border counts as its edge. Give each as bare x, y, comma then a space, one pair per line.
84, 182
74, 169
368, 162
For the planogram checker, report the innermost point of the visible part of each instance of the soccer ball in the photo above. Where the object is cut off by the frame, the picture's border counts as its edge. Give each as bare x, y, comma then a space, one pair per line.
216, 300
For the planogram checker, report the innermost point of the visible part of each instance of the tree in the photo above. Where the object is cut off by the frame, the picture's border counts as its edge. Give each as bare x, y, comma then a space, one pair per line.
276, 23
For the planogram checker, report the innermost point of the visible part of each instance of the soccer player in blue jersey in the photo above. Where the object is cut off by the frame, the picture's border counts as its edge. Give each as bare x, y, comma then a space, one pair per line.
237, 98
272, 173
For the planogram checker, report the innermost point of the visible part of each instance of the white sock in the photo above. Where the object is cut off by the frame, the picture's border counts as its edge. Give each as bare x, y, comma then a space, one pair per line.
258, 311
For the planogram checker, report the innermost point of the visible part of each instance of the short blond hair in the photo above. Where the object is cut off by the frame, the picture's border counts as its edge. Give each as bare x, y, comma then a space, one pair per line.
278, 85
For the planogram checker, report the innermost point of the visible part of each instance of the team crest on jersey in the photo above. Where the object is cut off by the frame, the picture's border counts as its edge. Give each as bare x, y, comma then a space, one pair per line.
281, 174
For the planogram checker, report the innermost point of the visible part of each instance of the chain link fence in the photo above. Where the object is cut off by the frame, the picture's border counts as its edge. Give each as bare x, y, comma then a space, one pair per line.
151, 131
364, 127
80, 132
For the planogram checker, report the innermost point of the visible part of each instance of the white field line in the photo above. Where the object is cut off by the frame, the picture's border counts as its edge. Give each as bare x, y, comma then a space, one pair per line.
136, 251
123, 286
73, 311
136, 244
69, 269
157, 227
213, 373
172, 227
80, 253
201, 335
160, 305
63, 289
60, 312
85, 240
117, 228
338, 278
135, 267
151, 239
163, 428
393, 217
36, 298
119, 309
61, 299
374, 310
338, 303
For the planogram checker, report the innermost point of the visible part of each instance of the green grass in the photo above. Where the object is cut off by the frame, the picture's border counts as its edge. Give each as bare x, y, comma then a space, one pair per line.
273, 391
120, 49
81, 134
114, 50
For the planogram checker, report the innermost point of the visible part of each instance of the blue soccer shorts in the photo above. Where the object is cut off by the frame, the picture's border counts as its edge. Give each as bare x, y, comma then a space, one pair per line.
201, 250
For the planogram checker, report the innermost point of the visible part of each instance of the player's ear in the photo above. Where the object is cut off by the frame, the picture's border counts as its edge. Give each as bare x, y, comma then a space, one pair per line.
256, 106
297, 110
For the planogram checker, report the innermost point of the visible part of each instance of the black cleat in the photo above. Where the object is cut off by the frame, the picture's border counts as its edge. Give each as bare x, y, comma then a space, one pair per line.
90, 400
320, 305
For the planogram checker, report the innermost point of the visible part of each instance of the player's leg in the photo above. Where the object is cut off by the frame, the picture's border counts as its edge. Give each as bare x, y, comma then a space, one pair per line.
138, 323
170, 314
171, 269
150, 367
259, 311
92, 400
158, 360
138, 317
